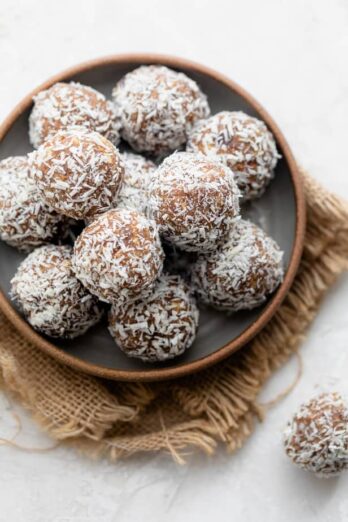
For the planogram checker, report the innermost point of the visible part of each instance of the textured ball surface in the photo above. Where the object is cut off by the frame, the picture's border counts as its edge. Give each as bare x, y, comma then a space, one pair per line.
158, 107
316, 439
243, 143
158, 327
25, 220
52, 299
79, 173
194, 201
119, 255
133, 193
242, 272
66, 105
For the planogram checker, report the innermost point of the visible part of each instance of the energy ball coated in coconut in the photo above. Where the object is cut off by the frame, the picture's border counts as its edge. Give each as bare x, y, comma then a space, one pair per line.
79, 173
133, 193
316, 439
54, 302
194, 200
158, 327
66, 105
119, 255
158, 107
242, 272
243, 143
25, 220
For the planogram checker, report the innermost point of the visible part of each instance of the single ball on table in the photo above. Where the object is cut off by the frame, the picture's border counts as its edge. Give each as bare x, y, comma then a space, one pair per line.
79, 173
66, 105
25, 220
316, 439
158, 107
118, 256
54, 302
243, 143
242, 272
194, 200
133, 193
158, 327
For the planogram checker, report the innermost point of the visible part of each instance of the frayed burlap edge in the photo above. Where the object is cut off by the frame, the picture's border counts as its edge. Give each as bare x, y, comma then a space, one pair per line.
218, 405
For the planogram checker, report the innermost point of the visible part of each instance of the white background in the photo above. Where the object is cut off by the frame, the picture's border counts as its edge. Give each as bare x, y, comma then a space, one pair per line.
292, 56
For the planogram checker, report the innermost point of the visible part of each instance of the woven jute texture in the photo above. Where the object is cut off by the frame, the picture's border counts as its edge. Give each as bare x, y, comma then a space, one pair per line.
216, 406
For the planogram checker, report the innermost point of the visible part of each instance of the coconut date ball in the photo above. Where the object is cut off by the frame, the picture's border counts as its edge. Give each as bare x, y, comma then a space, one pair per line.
66, 105
79, 173
241, 273
158, 107
243, 143
316, 439
119, 255
25, 220
194, 200
54, 302
133, 193
158, 327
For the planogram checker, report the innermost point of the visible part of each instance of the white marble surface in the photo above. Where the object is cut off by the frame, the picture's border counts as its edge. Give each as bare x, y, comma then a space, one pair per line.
292, 55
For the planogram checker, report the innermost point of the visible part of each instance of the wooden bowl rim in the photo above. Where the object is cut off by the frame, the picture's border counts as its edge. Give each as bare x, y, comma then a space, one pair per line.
222, 353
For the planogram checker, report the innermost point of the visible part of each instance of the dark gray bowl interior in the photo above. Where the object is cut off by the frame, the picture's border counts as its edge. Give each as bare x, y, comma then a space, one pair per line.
275, 212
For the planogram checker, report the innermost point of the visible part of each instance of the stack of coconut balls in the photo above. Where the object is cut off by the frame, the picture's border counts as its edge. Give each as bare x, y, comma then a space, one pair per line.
157, 233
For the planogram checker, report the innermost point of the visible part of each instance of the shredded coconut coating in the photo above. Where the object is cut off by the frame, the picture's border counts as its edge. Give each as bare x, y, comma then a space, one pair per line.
25, 220
133, 193
316, 439
241, 273
79, 173
243, 143
66, 105
159, 327
194, 200
158, 107
119, 255
54, 302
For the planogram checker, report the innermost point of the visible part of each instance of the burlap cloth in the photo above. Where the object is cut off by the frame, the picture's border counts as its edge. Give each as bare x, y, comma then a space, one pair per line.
217, 405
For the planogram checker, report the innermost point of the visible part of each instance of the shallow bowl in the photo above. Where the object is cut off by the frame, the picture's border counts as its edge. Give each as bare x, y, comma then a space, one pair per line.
281, 212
